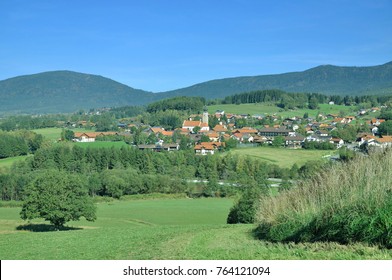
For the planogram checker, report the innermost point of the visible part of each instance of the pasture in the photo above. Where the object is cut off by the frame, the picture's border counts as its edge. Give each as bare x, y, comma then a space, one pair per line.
101, 144
159, 229
54, 133
6, 163
283, 157
271, 109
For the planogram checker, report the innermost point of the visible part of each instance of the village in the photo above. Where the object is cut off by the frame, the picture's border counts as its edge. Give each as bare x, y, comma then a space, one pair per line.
293, 132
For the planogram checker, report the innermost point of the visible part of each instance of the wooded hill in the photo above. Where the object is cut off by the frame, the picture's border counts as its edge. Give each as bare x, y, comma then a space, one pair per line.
325, 79
66, 91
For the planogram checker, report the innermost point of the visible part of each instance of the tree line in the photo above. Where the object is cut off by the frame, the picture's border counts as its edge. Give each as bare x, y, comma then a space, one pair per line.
303, 100
116, 172
19, 143
181, 103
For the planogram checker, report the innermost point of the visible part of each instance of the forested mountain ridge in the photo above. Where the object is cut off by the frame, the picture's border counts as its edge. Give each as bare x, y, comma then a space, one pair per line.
66, 91
325, 79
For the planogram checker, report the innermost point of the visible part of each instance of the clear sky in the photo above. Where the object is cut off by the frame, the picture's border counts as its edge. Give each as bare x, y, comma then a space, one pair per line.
160, 45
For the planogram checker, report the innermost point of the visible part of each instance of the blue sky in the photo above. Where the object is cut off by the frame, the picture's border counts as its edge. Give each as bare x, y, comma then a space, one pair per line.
161, 45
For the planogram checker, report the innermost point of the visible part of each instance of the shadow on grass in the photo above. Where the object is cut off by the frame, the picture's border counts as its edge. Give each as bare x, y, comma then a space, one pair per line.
44, 228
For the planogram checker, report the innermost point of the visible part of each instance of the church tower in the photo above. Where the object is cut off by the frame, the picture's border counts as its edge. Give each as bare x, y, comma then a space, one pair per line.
205, 115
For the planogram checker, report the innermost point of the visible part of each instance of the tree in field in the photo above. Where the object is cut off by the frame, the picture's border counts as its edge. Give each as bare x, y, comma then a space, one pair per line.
278, 141
244, 211
385, 128
57, 197
313, 103
67, 134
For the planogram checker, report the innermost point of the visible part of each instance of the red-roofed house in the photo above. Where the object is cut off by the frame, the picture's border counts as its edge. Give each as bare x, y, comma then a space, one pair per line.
220, 128
90, 136
190, 125
205, 148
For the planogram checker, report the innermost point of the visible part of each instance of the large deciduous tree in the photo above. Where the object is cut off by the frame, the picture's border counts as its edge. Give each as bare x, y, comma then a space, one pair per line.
57, 197
385, 128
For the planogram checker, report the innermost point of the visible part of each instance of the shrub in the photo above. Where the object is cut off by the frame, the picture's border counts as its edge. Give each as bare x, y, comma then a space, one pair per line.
244, 211
348, 202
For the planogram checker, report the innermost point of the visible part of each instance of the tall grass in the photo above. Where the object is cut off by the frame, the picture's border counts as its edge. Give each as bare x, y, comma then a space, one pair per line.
349, 202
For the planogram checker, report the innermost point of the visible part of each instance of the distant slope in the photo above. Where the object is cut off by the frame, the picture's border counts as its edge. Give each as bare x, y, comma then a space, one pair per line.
326, 79
66, 91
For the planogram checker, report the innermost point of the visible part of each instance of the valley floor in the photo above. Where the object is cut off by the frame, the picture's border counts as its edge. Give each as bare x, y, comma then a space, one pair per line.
178, 229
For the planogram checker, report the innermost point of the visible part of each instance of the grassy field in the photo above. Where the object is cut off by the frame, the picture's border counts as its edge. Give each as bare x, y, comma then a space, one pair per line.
270, 109
101, 144
160, 229
6, 163
54, 133
282, 156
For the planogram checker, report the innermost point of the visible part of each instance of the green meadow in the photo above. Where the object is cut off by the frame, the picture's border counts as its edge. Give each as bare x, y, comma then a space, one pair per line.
101, 144
54, 133
178, 228
271, 109
8, 162
283, 157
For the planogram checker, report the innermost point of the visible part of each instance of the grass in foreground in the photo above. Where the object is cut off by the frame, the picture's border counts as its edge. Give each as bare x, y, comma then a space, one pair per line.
160, 229
347, 203
283, 157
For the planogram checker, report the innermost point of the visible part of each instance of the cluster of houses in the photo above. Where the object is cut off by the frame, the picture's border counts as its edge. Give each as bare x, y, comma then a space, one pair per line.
208, 140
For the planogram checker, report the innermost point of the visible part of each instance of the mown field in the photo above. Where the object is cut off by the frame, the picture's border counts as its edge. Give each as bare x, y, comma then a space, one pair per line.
101, 144
283, 157
8, 162
54, 133
270, 109
159, 229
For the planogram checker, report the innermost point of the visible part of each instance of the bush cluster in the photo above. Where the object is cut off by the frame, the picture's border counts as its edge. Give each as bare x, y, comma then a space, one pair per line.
349, 202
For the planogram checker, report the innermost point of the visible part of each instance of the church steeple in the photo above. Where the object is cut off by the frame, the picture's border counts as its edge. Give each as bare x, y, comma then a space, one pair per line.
205, 115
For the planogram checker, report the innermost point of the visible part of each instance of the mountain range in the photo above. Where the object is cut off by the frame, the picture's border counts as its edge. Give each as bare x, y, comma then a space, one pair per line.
67, 91
325, 79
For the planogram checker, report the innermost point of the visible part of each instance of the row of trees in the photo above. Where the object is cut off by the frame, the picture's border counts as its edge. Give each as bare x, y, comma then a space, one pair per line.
280, 98
302, 100
181, 103
18, 143
115, 172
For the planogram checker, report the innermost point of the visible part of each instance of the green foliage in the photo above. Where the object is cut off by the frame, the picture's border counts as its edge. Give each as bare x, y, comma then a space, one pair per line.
278, 141
346, 154
348, 132
313, 145
345, 203
327, 79
104, 122
204, 138
231, 143
244, 210
181, 103
127, 111
386, 114
66, 91
28, 122
313, 103
57, 197
385, 128
12, 145
169, 119
67, 134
